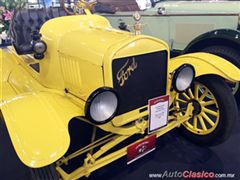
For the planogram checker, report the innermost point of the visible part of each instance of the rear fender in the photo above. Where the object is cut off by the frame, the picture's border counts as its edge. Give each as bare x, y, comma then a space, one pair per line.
205, 63
38, 126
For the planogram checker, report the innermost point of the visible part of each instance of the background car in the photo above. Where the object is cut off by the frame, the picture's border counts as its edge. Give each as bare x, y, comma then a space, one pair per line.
187, 26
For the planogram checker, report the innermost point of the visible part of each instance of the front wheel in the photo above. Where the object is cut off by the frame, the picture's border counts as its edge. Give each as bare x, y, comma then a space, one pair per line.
214, 114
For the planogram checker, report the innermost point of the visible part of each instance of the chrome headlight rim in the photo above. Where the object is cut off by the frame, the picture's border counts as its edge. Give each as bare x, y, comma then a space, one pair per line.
91, 99
37, 47
176, 75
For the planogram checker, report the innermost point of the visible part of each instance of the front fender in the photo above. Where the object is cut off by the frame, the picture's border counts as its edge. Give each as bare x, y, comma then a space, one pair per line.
205, 63
38, 126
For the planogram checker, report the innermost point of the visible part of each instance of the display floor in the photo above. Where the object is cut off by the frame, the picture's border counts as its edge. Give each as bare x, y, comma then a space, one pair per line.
173, 153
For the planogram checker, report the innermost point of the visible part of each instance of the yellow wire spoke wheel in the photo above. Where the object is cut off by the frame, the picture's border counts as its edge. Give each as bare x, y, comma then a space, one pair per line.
206, 111
214, 110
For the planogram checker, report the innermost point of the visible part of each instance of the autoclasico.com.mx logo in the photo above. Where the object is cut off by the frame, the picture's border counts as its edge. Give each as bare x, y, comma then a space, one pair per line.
191, 174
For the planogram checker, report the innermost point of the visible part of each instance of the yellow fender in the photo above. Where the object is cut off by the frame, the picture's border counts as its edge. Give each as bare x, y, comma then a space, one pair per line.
205, 63
37, 123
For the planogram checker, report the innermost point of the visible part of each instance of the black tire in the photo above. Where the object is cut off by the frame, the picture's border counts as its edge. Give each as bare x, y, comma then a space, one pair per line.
228, 113
229, 54
45, 173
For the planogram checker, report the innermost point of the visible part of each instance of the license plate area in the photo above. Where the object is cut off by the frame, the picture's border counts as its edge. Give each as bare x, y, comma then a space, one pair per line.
140, 149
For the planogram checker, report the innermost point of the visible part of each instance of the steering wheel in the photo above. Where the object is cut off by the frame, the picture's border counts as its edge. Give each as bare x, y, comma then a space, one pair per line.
80, 7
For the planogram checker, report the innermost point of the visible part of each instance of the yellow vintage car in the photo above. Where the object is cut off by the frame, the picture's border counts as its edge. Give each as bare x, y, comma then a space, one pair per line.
62, 69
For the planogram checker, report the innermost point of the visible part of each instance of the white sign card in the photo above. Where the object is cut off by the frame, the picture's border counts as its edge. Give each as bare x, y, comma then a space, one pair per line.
158, 113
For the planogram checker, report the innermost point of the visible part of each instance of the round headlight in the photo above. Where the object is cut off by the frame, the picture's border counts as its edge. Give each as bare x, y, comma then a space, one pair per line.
39, 47
183, 77
102, 105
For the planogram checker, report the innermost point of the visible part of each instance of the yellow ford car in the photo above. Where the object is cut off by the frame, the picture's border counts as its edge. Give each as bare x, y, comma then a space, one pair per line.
62, 69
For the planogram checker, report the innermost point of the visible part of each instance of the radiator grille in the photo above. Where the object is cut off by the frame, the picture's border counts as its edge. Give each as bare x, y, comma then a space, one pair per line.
139, 78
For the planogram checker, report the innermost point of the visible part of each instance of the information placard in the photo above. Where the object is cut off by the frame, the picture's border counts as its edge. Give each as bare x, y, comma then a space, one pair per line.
158, 113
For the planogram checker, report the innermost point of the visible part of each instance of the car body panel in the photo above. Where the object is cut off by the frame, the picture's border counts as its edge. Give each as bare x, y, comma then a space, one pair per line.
80, 57
38, 126
198, 7
36, 117
89, 56
212, 65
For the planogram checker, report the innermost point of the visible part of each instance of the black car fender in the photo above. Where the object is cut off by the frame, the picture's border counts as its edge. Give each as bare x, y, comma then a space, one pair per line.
223, 37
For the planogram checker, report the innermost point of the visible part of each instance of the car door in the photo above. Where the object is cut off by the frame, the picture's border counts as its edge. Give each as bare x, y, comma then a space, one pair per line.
190, 19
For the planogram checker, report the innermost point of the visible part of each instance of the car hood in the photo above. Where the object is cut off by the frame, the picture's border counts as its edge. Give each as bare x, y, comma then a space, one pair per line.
84, 37
199, 7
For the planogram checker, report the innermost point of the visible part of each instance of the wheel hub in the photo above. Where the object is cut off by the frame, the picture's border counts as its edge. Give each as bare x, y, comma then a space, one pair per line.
197, 108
